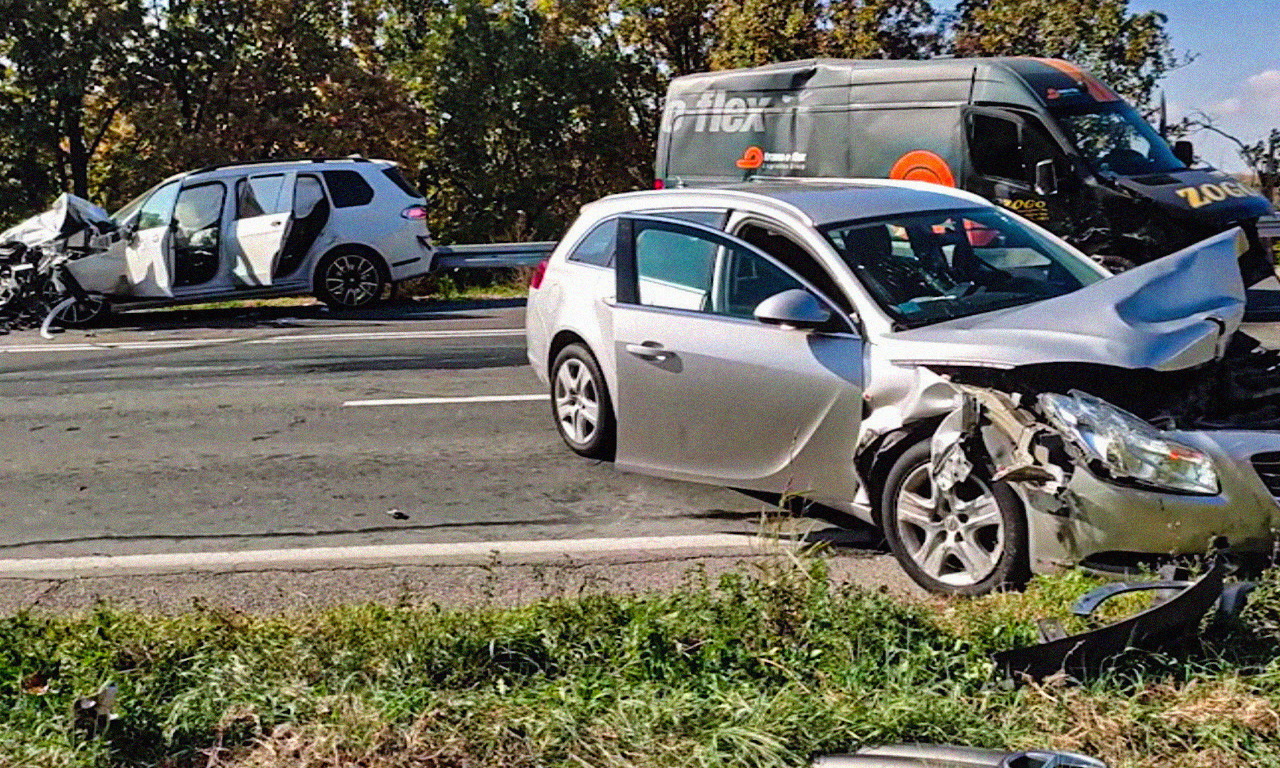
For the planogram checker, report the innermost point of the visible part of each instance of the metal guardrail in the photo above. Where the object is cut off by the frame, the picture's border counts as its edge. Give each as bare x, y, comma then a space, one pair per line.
491, 255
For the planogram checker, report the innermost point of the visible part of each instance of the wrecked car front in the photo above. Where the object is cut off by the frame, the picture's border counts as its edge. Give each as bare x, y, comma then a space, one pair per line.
1131, 416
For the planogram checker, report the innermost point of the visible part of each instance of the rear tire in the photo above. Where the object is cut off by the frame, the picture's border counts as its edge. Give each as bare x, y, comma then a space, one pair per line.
580, 404
350, 279
972, 548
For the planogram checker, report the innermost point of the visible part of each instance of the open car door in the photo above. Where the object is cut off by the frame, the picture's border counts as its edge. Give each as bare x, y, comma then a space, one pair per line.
264, 215
146, 250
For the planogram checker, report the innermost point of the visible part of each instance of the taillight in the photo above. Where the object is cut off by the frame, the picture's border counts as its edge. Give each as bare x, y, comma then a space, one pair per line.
659, 184
535, 281
415, 212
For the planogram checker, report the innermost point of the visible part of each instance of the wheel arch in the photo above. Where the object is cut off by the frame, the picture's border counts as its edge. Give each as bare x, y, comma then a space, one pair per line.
877, 459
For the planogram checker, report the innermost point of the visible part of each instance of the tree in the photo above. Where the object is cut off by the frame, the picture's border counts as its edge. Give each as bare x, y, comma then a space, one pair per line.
1130, 52
69, 70
254, 79
1262, 157
525, 125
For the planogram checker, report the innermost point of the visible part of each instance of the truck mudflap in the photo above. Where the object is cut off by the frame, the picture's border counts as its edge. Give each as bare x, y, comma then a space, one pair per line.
1175, 615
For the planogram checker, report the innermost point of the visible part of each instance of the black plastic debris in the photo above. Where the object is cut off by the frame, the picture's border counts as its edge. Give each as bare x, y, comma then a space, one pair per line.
1175, 615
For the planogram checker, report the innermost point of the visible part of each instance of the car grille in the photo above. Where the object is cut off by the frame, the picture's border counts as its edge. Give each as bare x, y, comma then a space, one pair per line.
1267, 465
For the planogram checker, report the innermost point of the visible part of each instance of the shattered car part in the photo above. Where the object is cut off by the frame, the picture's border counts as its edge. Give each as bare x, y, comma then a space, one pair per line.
1168, 621
946, 756
35, 283
92, 715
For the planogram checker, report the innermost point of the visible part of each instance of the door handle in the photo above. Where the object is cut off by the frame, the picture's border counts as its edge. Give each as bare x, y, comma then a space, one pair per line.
648, 351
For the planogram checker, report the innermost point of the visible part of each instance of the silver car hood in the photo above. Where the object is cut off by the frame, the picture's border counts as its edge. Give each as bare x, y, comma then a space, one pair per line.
1173, 313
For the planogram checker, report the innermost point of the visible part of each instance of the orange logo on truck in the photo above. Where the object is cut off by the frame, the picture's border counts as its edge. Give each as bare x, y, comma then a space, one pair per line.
752, 158
923, 165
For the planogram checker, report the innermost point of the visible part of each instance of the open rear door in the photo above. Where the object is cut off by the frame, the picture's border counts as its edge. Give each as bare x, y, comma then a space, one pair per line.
264, 214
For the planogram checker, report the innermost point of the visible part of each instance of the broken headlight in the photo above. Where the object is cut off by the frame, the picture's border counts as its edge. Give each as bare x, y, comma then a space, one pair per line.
1127, 446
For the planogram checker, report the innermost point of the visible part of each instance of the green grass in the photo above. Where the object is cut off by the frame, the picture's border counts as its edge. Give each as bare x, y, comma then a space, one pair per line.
764, 667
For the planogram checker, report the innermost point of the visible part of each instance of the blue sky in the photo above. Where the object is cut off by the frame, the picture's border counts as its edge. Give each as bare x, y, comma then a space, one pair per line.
1236, 75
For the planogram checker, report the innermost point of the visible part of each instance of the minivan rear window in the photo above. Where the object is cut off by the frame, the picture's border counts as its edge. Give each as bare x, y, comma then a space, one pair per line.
348, 189
400, 181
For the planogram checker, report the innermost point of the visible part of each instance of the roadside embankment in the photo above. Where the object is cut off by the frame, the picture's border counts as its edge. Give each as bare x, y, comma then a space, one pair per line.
763, 665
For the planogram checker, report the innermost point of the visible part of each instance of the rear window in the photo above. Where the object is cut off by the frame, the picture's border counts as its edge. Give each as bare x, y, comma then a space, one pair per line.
400, 181
347, 189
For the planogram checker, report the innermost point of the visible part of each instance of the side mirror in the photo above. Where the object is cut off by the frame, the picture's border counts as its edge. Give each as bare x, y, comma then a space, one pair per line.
1046, 178
793, 308
1185, 151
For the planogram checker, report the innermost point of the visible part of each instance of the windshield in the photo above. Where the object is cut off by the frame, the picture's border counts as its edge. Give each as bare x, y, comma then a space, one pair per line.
130, 208
1113, 138
923, 268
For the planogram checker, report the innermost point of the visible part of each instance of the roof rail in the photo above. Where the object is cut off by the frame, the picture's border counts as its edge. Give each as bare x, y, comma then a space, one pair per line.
279, 161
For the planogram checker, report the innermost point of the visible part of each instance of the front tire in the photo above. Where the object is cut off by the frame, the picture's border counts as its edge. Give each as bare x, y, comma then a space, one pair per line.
350, 279
580, 404
84, 313
970, 543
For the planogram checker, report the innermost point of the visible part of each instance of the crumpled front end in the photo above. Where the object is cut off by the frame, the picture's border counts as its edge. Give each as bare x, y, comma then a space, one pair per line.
1089, 500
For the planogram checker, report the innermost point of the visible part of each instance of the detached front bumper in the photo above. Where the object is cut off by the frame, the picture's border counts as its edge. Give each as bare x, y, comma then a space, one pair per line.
1096, 518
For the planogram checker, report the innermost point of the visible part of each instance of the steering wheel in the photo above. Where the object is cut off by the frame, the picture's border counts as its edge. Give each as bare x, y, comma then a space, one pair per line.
1126, 160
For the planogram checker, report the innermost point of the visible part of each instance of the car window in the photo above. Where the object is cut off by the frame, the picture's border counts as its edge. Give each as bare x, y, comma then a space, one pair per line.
307, 193
936, 265
347, 189
259, 196
400, 181
598, 246
745, 279
993, 147
795, 257
156, 210
713, 219
674, 269
197, 214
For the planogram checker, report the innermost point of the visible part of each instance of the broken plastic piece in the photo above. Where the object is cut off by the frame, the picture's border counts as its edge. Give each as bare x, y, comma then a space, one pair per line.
1166, 622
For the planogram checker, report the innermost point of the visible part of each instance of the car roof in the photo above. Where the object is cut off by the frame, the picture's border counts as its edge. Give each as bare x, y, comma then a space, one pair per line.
269, 166
822, 202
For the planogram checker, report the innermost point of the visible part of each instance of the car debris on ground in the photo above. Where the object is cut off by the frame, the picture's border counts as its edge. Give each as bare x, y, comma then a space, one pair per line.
1174, 617
947, 756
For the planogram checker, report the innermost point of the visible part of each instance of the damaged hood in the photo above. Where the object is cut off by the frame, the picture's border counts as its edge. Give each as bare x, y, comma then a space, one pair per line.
67, 216
1173, 313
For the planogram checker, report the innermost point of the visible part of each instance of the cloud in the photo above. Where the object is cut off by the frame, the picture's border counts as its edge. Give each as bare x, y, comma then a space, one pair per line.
1256, 100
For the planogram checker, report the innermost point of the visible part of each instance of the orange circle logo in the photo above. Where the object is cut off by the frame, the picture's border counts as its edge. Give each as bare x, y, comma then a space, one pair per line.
752, 158
923, 165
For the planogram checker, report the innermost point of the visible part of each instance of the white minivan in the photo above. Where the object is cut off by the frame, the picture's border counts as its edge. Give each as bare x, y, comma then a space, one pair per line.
341, 229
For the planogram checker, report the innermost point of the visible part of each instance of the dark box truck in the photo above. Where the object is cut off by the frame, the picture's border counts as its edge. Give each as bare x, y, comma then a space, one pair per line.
1040, 137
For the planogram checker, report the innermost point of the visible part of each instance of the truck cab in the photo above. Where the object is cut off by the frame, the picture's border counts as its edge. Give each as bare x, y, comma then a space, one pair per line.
1040, 137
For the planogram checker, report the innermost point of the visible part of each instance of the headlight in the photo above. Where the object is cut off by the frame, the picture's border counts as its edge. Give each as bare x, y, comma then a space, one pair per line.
1128, 446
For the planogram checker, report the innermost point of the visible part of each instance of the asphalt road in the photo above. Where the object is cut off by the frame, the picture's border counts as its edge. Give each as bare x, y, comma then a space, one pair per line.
231, 430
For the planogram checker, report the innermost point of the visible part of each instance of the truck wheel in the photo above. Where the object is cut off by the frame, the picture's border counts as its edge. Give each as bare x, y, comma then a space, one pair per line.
349, 279
971, 546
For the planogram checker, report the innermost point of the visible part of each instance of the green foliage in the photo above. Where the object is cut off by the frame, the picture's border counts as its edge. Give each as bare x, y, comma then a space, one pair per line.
763, 668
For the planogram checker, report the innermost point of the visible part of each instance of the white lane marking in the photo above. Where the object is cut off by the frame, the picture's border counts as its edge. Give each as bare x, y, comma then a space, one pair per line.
376, 553
449, 400
294, 338
303, 338
168, 344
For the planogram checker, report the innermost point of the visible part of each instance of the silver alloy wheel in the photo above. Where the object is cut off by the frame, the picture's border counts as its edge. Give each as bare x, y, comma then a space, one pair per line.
577, 401
352, 279
957, 541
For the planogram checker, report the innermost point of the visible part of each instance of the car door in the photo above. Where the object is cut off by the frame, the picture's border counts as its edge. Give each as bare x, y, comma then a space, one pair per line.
146, 253
705, 391
1004, 150
264, 214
